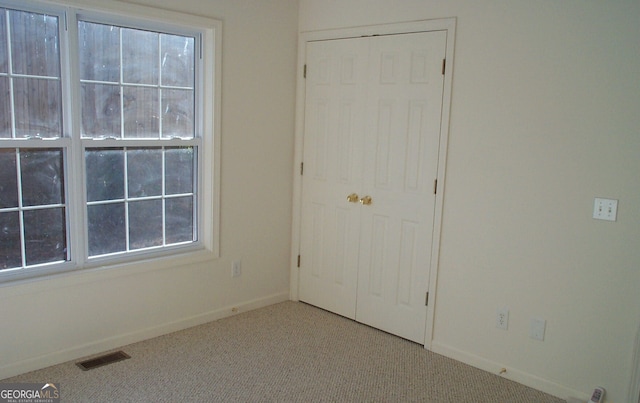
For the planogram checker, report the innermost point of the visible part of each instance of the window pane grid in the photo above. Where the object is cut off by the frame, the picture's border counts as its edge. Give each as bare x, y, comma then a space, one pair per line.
39, 235
151, 224
37, 112
155, 99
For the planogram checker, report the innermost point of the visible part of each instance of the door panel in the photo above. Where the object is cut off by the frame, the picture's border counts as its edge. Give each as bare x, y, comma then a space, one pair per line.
405, 96
332, 158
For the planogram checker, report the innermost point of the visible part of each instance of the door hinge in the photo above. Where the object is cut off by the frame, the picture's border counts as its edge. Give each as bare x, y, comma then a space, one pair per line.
426, 299
444, 64
304, 71
298, 260
301, 168
435, 187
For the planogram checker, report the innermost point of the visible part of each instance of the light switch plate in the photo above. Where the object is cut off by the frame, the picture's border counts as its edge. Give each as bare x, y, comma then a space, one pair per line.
605, 209
537, 328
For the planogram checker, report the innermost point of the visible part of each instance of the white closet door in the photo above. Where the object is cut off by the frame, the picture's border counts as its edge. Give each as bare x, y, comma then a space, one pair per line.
405, 89
333, 138
372, 128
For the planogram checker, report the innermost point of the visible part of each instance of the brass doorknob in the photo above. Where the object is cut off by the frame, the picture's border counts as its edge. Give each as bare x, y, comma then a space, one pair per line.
352, 198
365, 201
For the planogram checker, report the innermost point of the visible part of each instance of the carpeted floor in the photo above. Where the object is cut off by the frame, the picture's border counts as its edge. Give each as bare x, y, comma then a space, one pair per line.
288, 352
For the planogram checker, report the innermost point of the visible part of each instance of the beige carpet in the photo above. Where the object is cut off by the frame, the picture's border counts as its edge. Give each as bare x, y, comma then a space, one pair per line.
288, 352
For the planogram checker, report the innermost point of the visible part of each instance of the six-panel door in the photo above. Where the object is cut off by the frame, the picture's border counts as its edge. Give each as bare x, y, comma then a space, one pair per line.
372, 128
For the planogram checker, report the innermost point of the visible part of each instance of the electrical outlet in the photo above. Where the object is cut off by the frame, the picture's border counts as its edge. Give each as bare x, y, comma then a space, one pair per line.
502, 318
536, 330
236, 268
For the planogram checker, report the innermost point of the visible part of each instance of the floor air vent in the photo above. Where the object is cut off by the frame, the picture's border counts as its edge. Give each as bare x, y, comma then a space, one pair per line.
103, 360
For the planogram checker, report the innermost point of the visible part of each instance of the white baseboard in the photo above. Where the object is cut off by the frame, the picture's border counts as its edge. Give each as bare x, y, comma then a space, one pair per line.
515, 375
98, 346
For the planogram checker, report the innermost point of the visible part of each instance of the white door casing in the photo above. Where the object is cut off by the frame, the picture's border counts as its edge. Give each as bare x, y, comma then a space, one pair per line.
396, 171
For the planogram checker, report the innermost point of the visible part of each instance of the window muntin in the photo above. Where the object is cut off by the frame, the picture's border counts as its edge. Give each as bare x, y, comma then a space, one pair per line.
149, 107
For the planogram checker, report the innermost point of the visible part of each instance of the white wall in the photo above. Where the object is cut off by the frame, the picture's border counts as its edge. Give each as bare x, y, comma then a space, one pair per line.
545, 116
57, 319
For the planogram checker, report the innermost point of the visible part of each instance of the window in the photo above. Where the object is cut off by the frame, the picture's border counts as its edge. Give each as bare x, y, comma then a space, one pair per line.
107, 138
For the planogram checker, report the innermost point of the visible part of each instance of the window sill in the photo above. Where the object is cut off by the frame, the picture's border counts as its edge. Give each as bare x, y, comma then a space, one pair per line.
98, 273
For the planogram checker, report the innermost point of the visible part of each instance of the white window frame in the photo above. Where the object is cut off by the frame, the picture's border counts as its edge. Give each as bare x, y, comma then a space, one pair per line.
208, 108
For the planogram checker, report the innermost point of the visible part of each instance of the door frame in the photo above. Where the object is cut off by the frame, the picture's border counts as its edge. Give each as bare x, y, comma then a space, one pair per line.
446, 24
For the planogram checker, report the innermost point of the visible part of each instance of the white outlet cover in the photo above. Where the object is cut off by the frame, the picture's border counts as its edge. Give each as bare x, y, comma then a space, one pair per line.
236, 268
605, 209
502, 318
